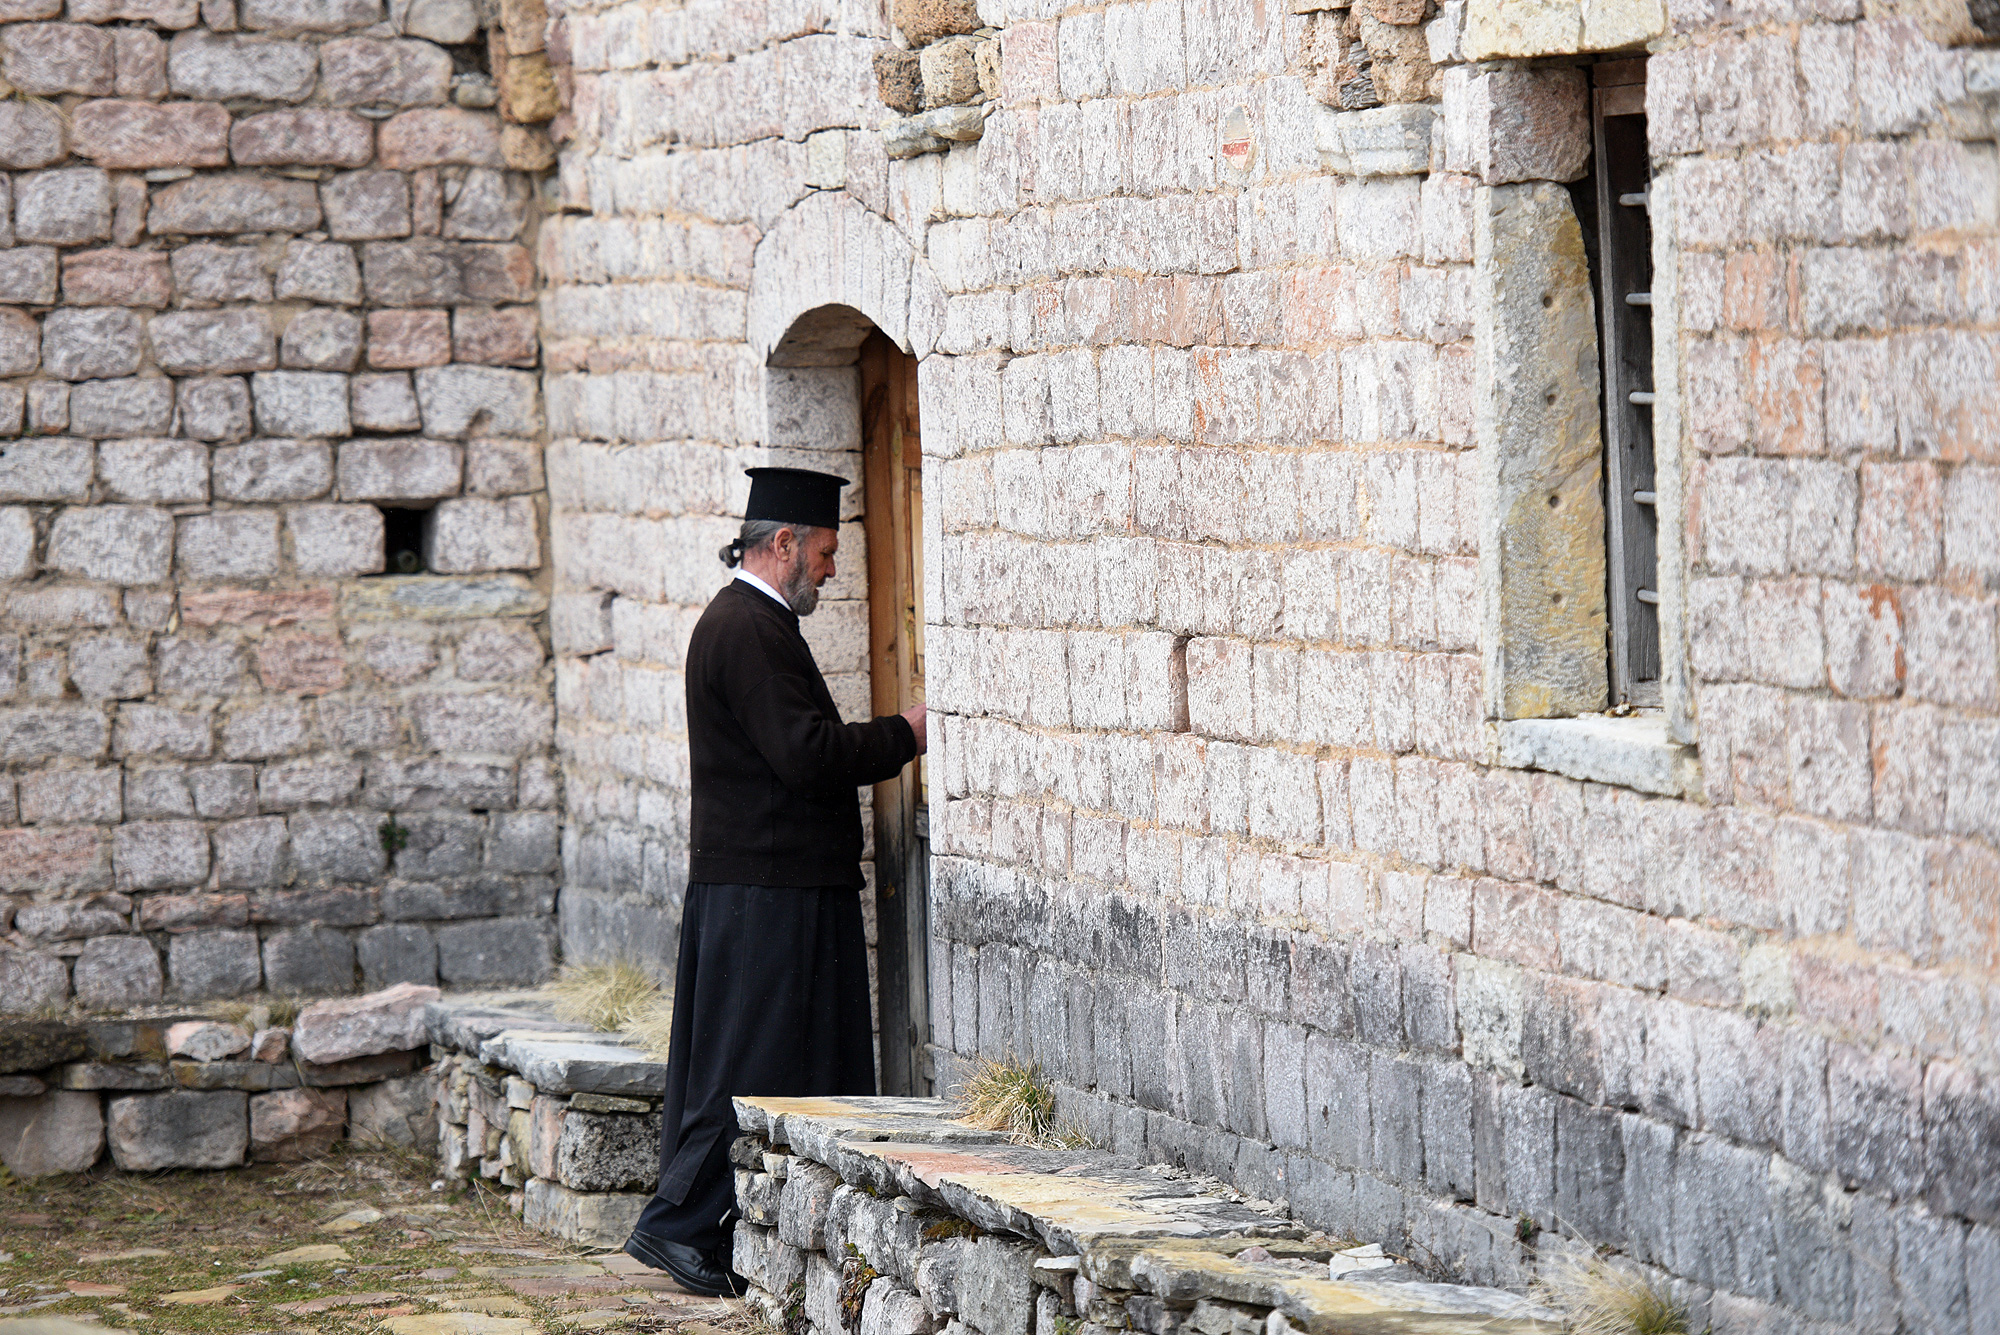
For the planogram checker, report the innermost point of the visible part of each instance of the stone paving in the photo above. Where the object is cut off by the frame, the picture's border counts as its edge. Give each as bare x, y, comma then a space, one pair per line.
353, 1242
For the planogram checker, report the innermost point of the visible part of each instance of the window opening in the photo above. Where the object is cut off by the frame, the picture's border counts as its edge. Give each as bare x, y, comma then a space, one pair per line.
403, 541
1622, 173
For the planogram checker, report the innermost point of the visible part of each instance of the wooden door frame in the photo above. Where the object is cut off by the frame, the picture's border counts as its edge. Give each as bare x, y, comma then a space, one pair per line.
891, 452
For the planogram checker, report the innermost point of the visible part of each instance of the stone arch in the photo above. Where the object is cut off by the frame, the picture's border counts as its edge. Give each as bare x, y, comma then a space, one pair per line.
831, 251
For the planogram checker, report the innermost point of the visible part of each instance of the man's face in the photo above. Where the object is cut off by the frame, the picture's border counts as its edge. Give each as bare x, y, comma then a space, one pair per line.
810, 565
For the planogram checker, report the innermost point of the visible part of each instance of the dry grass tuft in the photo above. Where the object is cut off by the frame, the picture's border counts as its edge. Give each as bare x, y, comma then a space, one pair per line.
1599, 1300
652, 1026
604, 996
1007, 1096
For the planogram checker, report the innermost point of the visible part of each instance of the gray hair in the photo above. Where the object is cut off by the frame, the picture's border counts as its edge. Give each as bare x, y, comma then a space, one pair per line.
757, 534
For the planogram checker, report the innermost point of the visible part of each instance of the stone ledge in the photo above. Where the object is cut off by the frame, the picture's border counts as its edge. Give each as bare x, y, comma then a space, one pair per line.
1631, 752
881, 1192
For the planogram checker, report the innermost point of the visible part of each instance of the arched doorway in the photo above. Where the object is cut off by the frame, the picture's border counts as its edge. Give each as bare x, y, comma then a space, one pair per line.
837, 381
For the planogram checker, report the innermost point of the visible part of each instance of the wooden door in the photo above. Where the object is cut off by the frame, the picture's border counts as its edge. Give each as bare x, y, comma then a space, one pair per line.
893, 518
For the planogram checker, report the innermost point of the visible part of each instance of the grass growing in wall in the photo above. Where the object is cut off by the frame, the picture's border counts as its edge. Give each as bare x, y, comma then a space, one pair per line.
1599, 1300
1008, 1096
615, 998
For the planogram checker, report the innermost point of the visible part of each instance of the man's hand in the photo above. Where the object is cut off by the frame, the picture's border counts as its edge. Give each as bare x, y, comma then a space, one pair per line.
914, 716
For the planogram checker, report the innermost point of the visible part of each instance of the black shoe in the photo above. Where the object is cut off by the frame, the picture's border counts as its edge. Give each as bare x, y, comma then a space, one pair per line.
699, 1272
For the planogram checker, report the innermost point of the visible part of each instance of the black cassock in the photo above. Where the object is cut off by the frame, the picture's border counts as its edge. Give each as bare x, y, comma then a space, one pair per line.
771, 989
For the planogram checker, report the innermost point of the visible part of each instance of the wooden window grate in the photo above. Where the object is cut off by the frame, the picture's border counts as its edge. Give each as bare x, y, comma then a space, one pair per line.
1622, 172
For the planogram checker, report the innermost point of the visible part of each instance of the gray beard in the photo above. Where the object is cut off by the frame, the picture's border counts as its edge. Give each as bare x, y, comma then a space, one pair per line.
801, 594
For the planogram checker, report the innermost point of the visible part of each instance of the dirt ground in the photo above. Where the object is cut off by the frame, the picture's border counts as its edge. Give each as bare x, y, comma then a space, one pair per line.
357, 1241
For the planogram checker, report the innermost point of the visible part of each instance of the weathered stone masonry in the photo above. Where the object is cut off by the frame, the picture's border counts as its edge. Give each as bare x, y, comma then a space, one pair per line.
267, 285
1241, 831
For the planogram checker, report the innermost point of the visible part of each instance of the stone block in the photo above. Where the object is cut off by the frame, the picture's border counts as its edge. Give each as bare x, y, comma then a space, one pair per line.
459, 401
608, 1151
110, 667
222, 68
338, 846
399, 470
49, 59
319, 271
1382, 141
484, 336
1517, 124
490, 206
503, 468
273, 470
139, 61
135, 406
17, 550
215, 342
31, 135
30, 982
338, 540
117, 278
371, 72
118, 544
441, 844
312, 137
288, 1125
203, 965
397, 952
222, 205
90, 344
474, 534
448, 21
160, 855
20, 342
157, 794
214, 409
407, 339
161, 472
445, 136
130, 134
397, 1112
199, 667
308, 15
367, 205
996, 1286
170, 14
591, 1219
803, 1209
322, 340
391, 1020
384, 402
115, 972
205, 1040
150, 730
495, 952
45, 470
61, 1131
309, 961
304, 665
300, 403
72, 796
28, 275
233, 544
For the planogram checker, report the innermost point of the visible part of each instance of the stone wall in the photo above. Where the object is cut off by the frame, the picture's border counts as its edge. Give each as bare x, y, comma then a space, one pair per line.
266, 324
1224, 836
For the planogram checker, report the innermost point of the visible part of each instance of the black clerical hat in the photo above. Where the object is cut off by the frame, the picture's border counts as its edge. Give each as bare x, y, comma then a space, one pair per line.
795, 496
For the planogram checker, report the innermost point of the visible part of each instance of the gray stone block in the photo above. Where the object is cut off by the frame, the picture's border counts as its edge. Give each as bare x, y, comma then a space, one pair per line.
608, 1151
202, 965
495, 951
115, 972
338, 845
394, 1112
440, 844
938, 1268
309, 961
524, 842
392, 953
484, 896
61, 1131
178, 1129
758, 1255
214, 409
803, 1207
300, 403
996, 1287
593, 1219
129, 407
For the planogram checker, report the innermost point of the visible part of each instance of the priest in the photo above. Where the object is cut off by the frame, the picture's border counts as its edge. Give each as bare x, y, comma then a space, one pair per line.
771, 988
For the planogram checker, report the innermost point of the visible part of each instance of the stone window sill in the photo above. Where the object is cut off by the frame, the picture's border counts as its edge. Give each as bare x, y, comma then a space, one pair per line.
1633, 752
